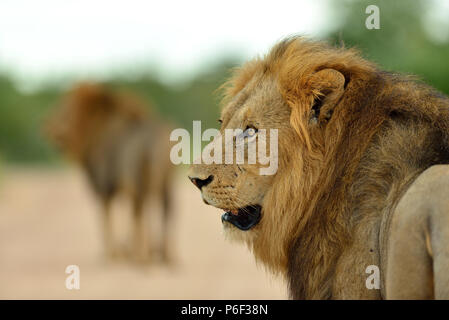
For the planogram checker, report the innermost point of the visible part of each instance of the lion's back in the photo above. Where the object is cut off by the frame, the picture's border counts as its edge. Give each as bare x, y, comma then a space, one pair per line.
129, 156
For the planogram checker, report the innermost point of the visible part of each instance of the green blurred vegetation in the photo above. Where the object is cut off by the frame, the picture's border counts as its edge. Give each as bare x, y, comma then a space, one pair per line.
403, 44
21, 116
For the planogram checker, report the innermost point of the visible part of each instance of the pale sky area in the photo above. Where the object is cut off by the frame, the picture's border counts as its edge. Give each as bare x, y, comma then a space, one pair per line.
51, 39
47, 38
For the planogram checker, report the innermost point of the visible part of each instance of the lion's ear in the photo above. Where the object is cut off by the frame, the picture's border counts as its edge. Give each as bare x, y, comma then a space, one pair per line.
327, 86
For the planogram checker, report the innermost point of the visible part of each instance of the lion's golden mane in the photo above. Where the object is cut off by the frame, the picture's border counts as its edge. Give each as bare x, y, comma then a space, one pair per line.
384, 131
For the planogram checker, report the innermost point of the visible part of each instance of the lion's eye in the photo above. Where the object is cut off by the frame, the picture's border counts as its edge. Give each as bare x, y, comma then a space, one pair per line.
250, 131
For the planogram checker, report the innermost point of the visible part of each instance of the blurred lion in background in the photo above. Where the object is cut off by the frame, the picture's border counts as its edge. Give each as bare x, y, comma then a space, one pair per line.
123, 150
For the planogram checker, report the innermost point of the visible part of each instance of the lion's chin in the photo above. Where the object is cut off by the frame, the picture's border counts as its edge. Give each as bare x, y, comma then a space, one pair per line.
235, 235
244, 218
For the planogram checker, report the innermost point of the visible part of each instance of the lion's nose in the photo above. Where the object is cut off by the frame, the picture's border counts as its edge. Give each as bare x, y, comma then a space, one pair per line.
201, 182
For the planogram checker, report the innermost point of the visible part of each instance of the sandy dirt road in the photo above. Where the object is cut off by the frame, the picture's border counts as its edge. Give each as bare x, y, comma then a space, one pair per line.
49, 220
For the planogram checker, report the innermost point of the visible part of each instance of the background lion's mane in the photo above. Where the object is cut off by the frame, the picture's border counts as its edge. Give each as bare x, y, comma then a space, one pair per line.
86, 110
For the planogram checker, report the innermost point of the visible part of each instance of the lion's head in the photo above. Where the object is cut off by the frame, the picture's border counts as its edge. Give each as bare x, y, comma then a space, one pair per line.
296, 89
85, 111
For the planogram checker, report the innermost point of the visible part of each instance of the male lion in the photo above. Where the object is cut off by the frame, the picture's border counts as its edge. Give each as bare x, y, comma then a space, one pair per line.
350, 191
122, 149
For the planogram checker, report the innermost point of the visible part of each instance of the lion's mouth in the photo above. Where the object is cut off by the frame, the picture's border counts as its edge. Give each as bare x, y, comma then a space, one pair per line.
243, 218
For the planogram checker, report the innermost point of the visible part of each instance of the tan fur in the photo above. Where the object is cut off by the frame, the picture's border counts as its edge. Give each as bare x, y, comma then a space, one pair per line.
122, 148
417, 248
351, 141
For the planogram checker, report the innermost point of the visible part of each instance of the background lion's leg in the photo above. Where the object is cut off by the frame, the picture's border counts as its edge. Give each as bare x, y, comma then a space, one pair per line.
108, 234
166, 214
140, 237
